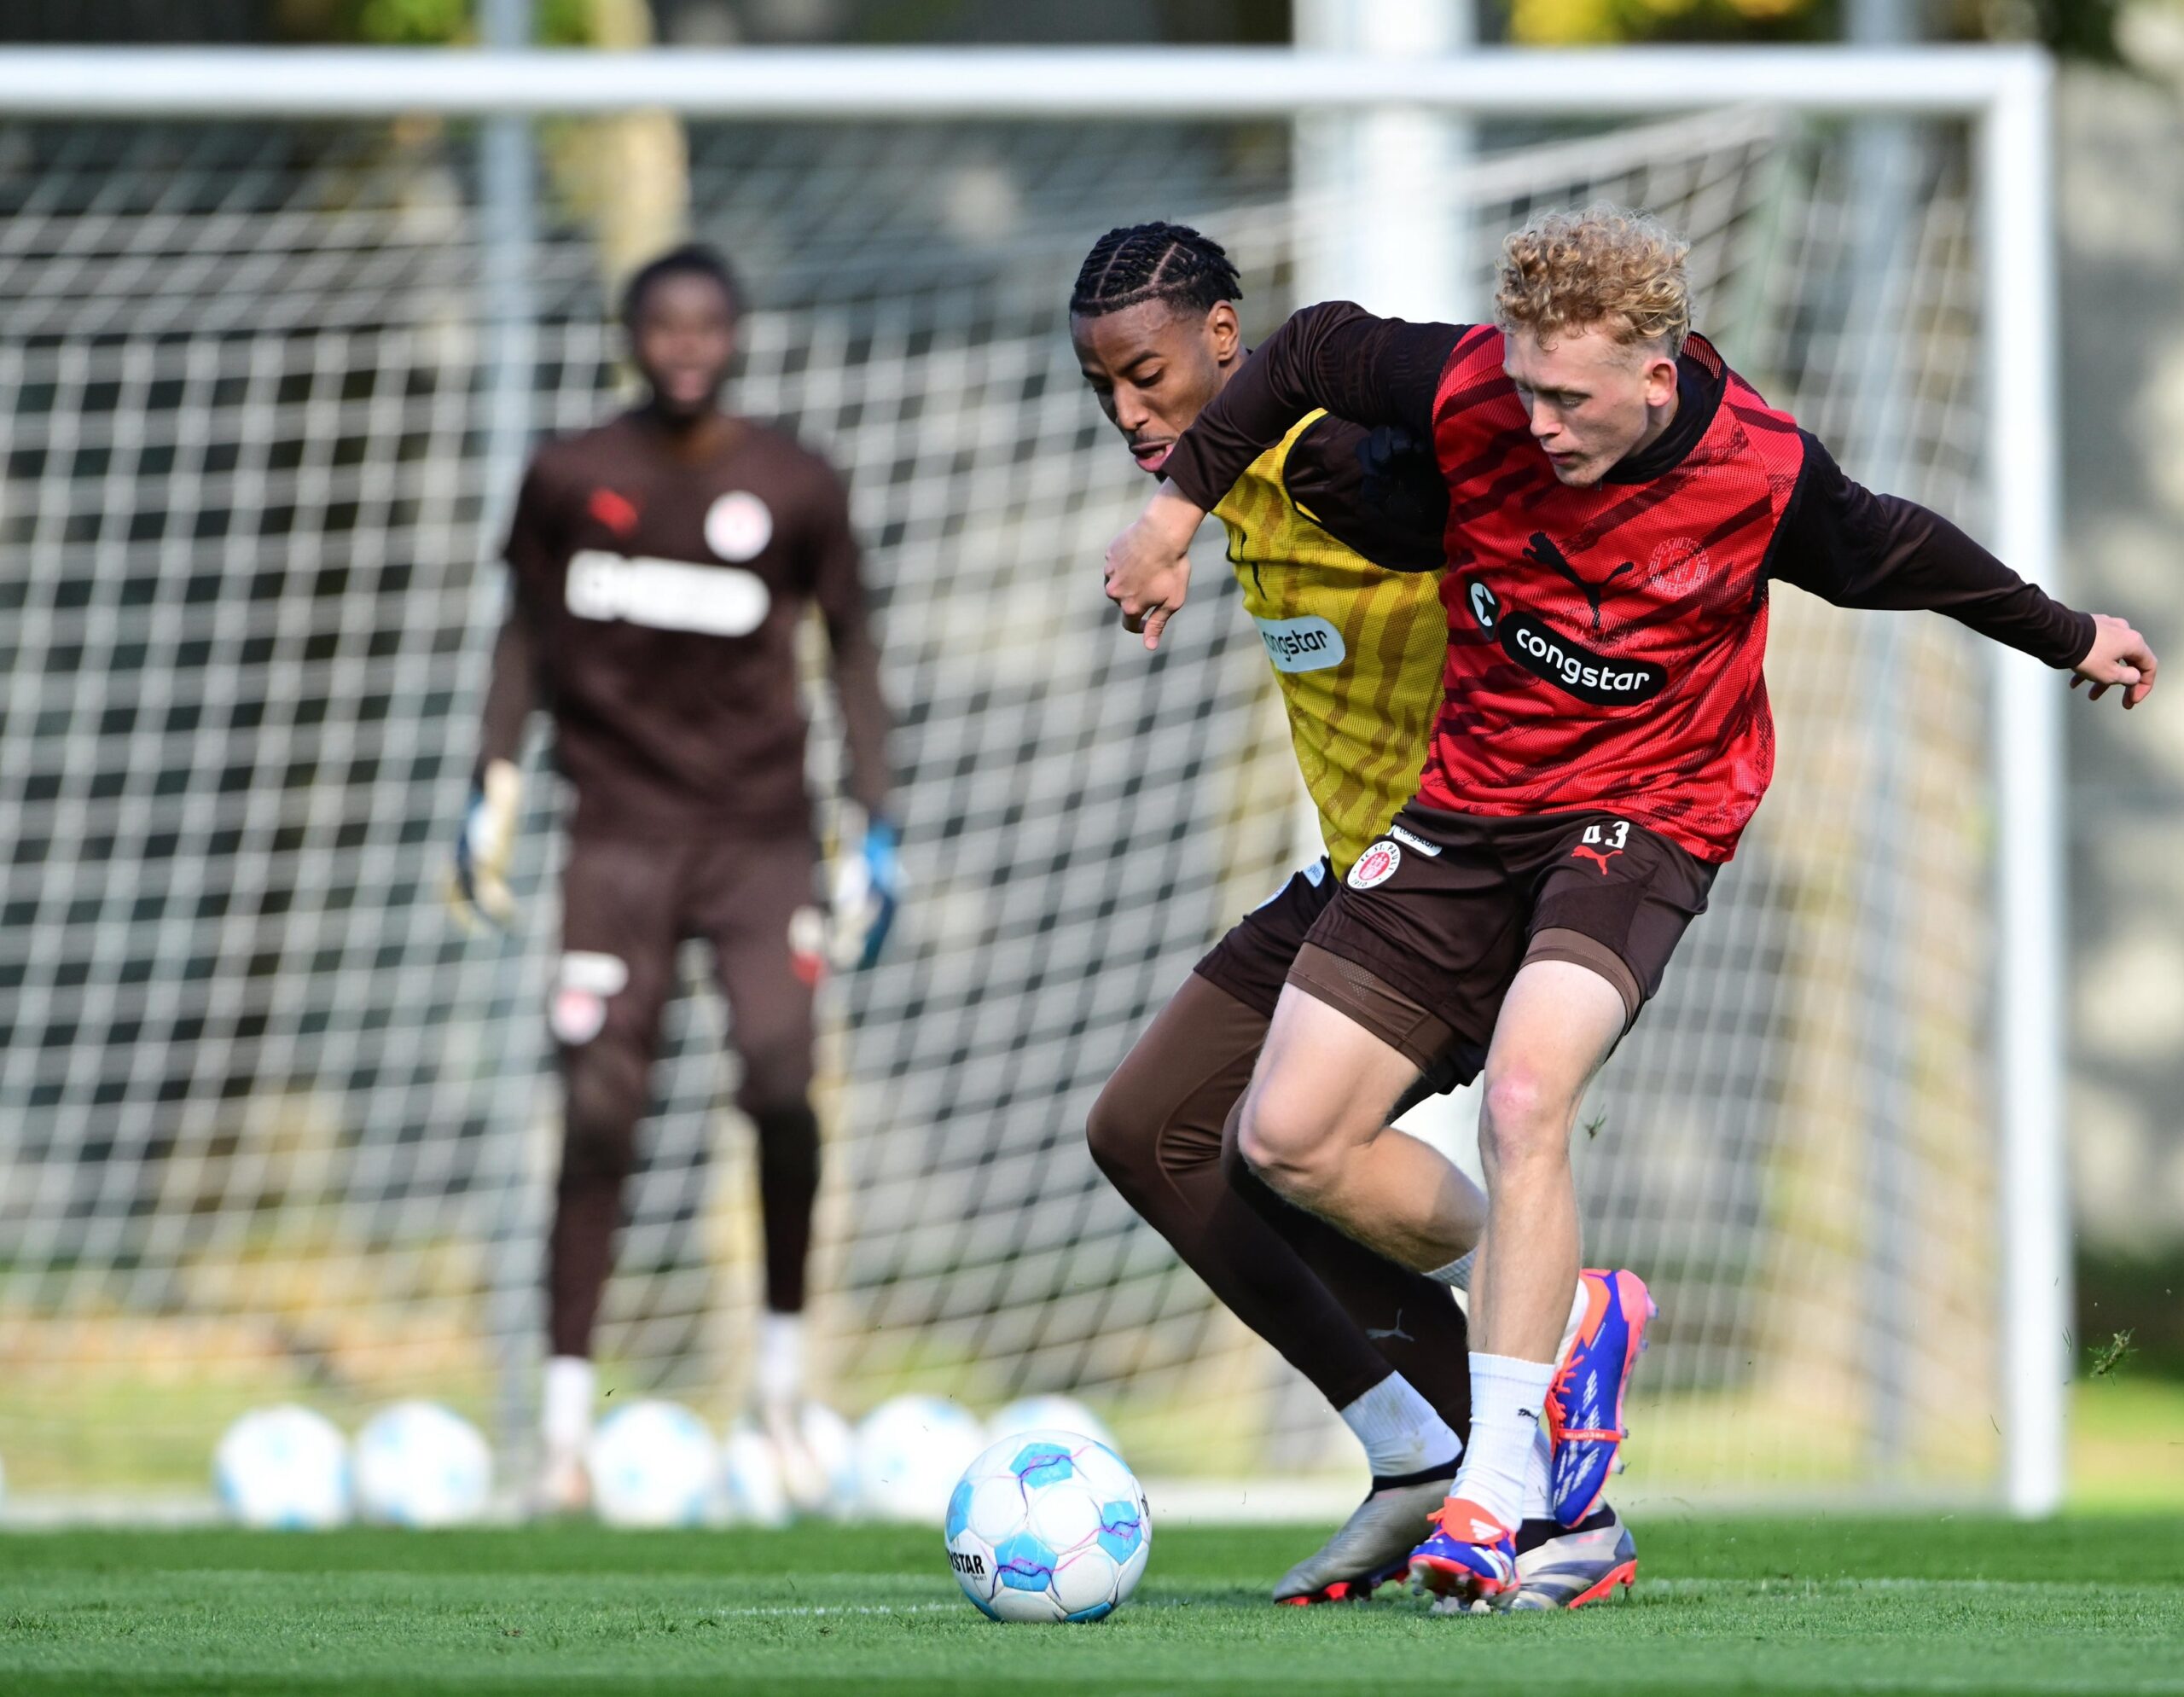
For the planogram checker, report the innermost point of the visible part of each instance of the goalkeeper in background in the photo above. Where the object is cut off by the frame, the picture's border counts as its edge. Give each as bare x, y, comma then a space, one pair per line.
660, 564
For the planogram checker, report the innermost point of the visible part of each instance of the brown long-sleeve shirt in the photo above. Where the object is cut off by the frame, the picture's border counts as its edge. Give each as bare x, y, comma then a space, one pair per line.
654, 613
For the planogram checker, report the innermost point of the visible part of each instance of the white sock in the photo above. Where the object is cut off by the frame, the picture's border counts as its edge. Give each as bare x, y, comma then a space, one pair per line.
571, 1384
1457, 1274
1400, 1431
1507, 1412
1539, 1477
777, 1374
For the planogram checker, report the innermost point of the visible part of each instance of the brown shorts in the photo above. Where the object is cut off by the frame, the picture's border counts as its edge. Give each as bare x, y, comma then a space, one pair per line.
627, 903
1440, 912
1259, 955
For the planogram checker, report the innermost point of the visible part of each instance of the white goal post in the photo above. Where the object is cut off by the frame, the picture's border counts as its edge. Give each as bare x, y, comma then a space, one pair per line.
2002, 95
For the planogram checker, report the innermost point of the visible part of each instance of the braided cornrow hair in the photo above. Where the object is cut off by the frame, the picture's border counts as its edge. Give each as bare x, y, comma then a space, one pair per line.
1141, 262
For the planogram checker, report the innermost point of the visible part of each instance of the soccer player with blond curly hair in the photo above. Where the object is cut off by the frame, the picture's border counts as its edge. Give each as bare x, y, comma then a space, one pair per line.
1620, 503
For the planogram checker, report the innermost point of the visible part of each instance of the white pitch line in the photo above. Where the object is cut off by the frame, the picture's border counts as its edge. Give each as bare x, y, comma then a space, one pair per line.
803, 1610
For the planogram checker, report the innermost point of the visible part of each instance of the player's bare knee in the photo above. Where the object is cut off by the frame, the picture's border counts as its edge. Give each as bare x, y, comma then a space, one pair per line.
1290, 1155
1520, 1120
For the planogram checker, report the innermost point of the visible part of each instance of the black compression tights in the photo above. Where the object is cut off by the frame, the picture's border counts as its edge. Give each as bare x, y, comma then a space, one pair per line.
1306, 1288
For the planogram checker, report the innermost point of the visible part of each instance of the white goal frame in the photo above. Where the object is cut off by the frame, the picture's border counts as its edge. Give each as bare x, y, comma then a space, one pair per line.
2004, 93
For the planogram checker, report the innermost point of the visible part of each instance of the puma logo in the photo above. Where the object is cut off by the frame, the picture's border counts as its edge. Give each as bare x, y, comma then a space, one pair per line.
1595, 854
1375, 1335
1542, 551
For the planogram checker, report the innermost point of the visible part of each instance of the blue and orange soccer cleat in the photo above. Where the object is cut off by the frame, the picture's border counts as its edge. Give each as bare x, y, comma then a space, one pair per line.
1470, 1557
1585, 1405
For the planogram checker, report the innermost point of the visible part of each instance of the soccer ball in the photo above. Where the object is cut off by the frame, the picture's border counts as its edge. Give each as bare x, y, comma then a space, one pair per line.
910, 1450
283, 1466
1047, 1526
751, 1474
830, 1456
419, 1465
653, 1464
766, 1488
1049, 1414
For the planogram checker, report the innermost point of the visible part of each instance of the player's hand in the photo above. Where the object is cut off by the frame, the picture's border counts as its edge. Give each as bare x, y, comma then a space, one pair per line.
478, 885
1148, 570
868, 889
2120, 658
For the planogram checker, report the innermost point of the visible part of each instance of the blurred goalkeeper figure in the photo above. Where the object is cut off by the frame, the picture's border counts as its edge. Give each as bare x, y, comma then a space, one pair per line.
1619, 504
1335, 534
661, 564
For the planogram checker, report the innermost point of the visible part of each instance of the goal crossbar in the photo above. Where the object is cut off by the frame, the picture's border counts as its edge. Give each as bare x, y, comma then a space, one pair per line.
771, 83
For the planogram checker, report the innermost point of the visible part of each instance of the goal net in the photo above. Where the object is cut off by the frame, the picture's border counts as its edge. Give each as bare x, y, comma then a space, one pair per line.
270, 1128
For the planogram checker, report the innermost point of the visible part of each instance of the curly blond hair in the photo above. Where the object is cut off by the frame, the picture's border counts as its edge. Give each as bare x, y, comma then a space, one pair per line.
1606, 266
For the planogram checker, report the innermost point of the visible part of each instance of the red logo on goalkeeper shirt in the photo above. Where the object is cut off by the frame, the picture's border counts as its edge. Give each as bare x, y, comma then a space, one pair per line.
617, 512
1376, 865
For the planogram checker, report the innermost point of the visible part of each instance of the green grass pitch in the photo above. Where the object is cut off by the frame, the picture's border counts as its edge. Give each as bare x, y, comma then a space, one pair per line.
1777, 1606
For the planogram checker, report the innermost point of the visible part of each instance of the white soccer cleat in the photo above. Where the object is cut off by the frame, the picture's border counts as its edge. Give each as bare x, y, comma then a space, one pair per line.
1369, 1550
1586, 1565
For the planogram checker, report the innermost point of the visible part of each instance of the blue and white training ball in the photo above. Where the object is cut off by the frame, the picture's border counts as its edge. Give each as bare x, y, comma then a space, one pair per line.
1048, 1526
829, 1458
283, 1467
750, 1474
910, 1451
653, 1464
420, 1465
1051, 1413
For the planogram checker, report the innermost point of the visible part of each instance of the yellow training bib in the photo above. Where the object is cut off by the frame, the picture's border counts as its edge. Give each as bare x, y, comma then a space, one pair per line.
1358, 652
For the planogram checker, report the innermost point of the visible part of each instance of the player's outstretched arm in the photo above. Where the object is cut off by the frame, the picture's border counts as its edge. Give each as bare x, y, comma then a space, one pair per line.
1336, 357
1850, 546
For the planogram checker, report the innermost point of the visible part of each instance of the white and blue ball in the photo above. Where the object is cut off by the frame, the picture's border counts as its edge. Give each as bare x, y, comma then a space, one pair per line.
1048, 1526
653, 1463
830, 1451
420, 1465
285, 1468
752, 1478
910, 1451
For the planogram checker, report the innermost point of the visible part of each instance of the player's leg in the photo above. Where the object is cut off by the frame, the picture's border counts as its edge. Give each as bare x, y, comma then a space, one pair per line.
616, 970
1557, 1024
1157, 1131
1603, 926
1315, 1123
753, 903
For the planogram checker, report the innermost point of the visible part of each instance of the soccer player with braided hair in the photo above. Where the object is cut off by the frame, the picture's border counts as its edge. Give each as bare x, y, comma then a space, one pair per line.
1334, 532
661, 564
1620, 505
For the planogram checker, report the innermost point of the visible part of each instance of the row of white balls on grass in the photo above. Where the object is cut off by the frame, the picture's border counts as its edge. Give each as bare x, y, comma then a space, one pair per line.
656, 1463
652, 1463
415, 1464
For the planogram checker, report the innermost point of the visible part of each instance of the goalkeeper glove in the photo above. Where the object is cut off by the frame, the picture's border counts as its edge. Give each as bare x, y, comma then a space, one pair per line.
479, 886
868, 889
